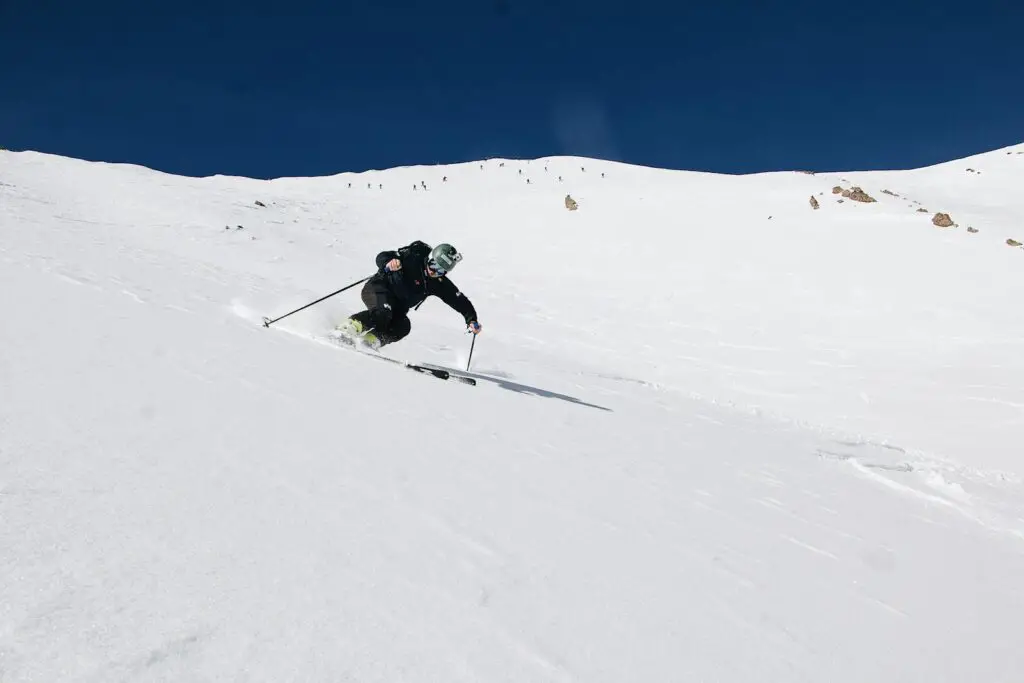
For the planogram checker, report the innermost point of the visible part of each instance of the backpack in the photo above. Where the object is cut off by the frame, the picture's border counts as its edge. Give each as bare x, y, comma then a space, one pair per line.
416, 248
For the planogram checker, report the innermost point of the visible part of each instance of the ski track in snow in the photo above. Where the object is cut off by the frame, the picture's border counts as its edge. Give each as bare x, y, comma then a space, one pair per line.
805, 448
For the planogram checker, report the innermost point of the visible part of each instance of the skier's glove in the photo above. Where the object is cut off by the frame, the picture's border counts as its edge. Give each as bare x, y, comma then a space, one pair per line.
393, 265
475, 327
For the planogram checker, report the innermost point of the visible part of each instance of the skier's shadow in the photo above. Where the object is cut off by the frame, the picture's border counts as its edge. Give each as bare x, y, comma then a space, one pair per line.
526, 389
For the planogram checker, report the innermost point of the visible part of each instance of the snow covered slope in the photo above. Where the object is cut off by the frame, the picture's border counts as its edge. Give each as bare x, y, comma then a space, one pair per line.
718, 435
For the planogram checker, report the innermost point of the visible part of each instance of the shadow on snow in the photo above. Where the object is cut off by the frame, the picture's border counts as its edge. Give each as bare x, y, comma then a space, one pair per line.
523, 388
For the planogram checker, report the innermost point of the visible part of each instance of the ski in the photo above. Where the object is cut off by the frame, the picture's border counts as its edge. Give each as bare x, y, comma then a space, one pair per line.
345, 342
457, 375
438, 372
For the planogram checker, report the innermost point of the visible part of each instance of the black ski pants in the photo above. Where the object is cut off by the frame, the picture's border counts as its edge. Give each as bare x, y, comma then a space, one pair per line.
388, 318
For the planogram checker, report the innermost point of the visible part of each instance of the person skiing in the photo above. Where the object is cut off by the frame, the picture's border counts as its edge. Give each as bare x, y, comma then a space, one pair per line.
404, 279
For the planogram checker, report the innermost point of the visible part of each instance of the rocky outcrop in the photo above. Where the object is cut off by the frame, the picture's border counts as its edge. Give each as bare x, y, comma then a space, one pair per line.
570, 203
1013, 243
942, 220
859, 195
814, 203
854, 194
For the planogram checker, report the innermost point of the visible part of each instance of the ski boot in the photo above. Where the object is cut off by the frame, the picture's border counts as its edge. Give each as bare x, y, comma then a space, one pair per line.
351, 332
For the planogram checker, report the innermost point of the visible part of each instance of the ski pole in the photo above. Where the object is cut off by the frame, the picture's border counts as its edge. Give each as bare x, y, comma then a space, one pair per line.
267, 322
470, 359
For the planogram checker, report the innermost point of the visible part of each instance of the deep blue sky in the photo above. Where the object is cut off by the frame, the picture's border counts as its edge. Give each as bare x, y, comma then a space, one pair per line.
313, 87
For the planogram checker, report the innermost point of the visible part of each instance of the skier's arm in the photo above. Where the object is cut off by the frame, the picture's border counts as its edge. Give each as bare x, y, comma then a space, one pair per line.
451, 295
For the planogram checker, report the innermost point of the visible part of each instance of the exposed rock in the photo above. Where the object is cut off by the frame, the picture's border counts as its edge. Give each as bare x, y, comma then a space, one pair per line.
840, 201
1013, 243
836, 189
806, 172
859, 195
846, 194
922, 210
570, 203
942, 220
814, 202
890, 193
970, 229
259, 203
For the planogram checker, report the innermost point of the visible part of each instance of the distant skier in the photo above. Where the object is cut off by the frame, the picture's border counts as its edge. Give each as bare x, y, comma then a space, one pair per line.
404, 279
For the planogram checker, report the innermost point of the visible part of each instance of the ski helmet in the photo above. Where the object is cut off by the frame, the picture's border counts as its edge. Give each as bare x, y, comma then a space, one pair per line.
443, 258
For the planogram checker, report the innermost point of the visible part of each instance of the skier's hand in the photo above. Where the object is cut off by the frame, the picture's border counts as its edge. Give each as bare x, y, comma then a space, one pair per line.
475, 327
393, 265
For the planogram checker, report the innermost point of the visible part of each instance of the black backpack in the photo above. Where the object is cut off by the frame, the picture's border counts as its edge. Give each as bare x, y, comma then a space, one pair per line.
417, 248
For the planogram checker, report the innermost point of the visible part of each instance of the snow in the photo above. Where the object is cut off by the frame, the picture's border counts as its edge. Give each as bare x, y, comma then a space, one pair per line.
705, 445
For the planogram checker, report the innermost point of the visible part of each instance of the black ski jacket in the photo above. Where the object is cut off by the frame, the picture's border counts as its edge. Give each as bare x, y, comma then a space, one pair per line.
410, 286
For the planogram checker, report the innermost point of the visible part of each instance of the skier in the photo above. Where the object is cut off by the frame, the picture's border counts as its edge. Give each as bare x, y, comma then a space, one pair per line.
404, 279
